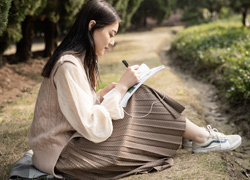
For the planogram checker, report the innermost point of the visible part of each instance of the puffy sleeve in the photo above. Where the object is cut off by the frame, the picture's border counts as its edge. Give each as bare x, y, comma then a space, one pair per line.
112, 103
92, 121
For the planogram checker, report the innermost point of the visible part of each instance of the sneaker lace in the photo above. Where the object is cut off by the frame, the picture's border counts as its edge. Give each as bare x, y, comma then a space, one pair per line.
214, 133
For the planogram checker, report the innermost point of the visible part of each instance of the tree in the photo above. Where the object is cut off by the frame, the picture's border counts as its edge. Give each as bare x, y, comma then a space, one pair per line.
156, 9
12, 32
241, 6
51, 15
126, 10
129, 12
23, 47
201, 11
191, 9
69, 12
214, 7
56, 11
4, 11
17, 14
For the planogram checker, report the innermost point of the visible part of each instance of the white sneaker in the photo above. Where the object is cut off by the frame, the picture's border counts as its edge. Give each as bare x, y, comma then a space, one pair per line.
217, 142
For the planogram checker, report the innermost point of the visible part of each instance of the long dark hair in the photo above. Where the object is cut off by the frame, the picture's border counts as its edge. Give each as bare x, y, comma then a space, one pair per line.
79, 41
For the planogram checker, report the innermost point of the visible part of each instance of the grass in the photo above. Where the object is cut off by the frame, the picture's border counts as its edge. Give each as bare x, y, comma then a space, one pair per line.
15, 121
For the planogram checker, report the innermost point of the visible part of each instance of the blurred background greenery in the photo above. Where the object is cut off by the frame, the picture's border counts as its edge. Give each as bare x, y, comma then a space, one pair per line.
23, 20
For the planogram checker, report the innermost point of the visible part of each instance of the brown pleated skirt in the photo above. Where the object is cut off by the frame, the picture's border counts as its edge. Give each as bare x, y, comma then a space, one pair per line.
145, 140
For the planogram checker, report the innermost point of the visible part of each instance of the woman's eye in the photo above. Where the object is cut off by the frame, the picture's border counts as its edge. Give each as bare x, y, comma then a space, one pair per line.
111, 35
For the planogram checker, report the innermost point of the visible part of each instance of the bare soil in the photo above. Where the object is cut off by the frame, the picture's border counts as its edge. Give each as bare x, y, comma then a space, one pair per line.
17, 79
19, 85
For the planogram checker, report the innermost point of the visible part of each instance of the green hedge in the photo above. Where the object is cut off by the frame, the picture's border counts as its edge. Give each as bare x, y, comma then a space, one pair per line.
220, 48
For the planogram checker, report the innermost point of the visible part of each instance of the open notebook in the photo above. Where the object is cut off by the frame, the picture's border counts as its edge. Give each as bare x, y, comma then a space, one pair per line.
146, 73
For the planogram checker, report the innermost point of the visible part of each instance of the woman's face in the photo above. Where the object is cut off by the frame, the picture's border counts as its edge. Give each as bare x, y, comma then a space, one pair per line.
104, 38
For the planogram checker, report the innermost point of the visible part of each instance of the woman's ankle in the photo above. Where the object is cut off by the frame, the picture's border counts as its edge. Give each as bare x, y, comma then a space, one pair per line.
202, 138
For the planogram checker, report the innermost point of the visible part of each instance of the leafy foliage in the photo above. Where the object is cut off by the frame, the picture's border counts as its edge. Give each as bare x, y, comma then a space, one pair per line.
58, 12
197, 12
132, 7
220, 48
4, 10
17, 13
156, 9
241, 6
70, 8
126, 10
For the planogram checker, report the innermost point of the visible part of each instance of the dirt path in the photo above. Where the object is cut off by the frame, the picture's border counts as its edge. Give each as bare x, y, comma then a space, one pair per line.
143, 47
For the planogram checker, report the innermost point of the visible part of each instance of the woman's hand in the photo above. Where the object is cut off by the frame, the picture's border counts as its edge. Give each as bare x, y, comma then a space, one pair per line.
106, 90
128, 79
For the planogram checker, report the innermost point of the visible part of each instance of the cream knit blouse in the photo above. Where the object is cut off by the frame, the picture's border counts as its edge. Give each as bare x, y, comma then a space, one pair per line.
66, 107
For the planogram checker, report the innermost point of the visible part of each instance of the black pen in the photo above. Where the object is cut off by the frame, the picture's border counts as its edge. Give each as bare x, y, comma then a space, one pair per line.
125, 63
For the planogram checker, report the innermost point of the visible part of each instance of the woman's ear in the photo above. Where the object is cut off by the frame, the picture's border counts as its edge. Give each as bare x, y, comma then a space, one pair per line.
91, 24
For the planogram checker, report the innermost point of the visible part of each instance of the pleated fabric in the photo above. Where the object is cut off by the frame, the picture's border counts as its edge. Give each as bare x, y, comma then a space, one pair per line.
145, 140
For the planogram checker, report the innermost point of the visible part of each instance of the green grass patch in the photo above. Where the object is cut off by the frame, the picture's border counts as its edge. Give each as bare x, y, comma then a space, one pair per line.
219, 50
15, 121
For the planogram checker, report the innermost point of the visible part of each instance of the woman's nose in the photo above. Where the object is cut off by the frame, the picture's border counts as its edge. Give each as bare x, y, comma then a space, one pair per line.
112, 42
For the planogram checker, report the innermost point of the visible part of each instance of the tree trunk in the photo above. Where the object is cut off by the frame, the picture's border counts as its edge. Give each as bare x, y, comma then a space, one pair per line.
1, 60
244, 18
144, 18
51, 37
23, 47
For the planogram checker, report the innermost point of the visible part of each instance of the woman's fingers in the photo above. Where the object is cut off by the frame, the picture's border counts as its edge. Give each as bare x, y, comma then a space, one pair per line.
129, 78
135, 67
108, 88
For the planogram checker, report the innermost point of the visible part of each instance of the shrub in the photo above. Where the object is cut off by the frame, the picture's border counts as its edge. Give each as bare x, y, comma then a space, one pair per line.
221, 48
